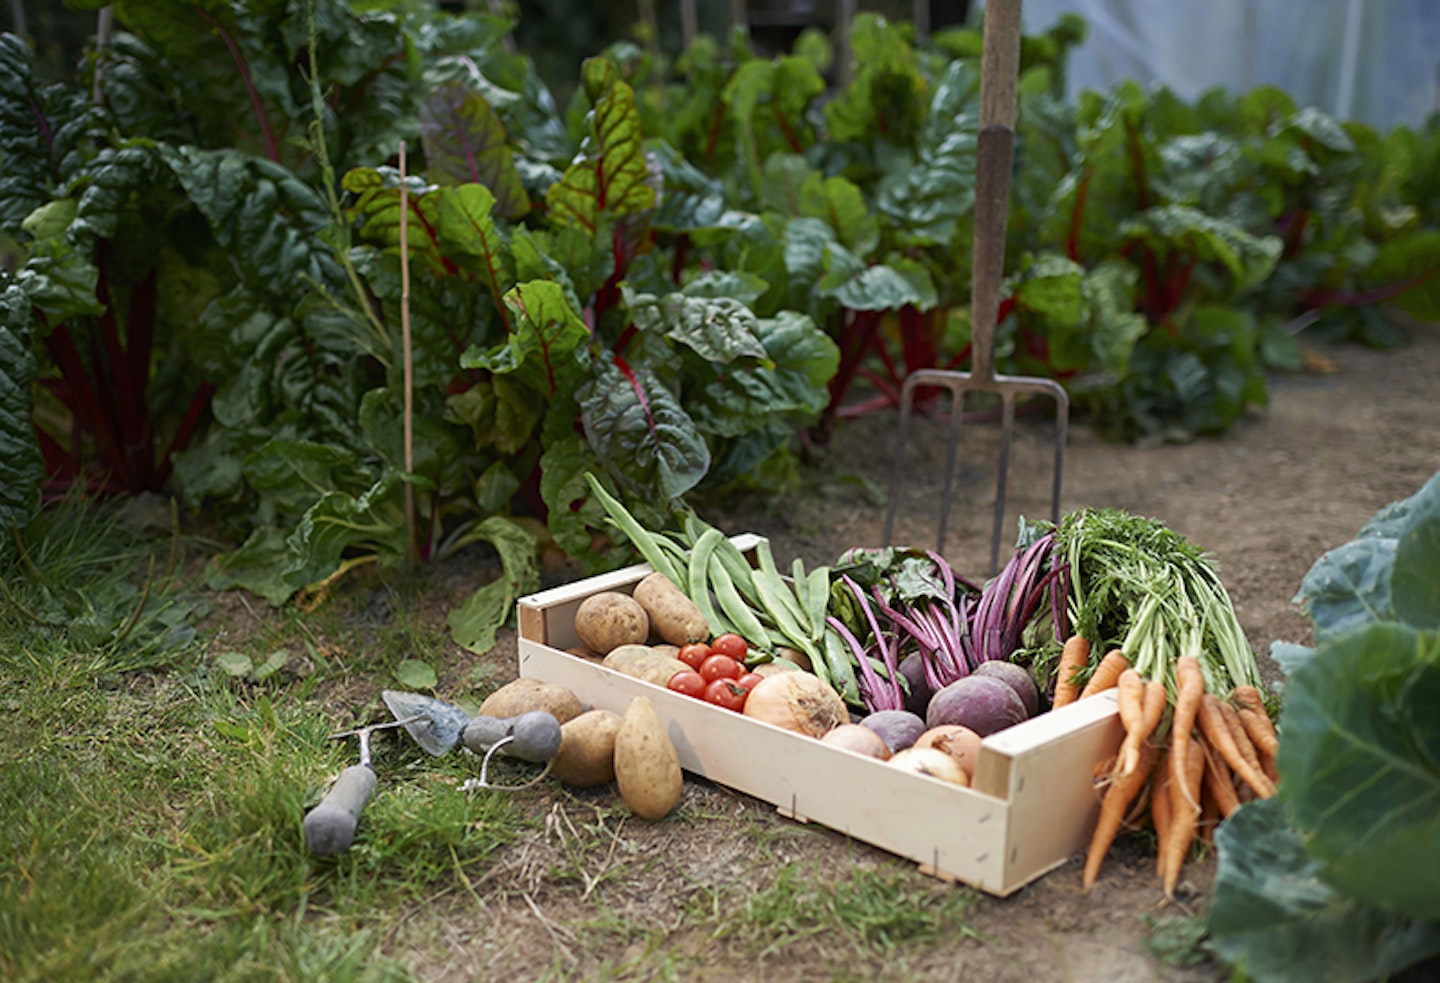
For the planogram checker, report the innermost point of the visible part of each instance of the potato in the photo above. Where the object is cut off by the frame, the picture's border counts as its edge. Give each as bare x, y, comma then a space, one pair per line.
647, 769
587, 749
524, 695
673, 616
608, 619
644, 662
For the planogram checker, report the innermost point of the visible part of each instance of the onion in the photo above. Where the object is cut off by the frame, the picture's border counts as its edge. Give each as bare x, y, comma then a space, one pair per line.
958, 741
797, 701
862, 740
932, 763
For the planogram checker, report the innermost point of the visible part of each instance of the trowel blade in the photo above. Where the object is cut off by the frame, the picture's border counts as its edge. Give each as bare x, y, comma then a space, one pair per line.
438, 725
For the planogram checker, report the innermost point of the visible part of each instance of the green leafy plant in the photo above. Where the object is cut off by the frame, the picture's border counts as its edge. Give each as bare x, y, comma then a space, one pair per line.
1336, 873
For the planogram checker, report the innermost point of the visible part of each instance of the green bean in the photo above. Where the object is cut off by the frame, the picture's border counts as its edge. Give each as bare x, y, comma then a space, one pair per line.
698, 580
638, 534
734, 606
837, 660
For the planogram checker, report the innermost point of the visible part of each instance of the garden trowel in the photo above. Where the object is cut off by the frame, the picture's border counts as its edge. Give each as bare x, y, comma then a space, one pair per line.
434, 724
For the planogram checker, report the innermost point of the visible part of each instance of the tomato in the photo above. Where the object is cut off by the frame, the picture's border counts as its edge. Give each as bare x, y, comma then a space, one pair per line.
725, 693
689, 682
748, 680
730, 644
694, 654
720, 667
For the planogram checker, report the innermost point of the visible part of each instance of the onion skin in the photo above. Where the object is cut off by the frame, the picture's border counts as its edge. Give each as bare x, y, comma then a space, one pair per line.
797, 701
861, 740
958, 741
931, 762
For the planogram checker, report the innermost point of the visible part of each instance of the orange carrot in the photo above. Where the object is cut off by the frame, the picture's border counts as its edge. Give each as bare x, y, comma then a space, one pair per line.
1160, 810
1152, 705
1129, 701
1107, 673
1073, 657
1185, 784
1189, 688
1250, 708
1113, 808
1228, 744
1219, 782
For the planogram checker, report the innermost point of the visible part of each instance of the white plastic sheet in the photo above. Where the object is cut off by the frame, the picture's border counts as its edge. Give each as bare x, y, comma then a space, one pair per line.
1376, 61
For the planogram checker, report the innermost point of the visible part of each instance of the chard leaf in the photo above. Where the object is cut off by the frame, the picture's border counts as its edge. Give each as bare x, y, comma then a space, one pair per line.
474, 623
467, 234
1411, 263
573, 513
271, 223
1276, 920
465, 143
717, 329
377, 208
789, 389
767, 100
878, 287
840, 202
611, 176
747, 288
1360, 758
639, 430
501, 412
546, 343
886, 94
688, 198
21, 468
1181, 228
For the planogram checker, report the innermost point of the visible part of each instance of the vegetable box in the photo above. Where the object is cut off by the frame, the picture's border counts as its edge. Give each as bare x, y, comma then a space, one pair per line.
1031, 806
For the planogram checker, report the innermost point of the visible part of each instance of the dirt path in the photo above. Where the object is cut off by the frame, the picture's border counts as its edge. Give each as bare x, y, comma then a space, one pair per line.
1266, 500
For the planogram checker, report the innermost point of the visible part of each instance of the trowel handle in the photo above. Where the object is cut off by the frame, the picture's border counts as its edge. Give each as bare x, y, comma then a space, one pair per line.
330, 826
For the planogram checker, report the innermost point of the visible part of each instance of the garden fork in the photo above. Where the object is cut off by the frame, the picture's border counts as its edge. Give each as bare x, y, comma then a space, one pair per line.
994, 157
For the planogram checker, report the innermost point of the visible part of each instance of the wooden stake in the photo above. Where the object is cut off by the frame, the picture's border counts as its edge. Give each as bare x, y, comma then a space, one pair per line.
412, 551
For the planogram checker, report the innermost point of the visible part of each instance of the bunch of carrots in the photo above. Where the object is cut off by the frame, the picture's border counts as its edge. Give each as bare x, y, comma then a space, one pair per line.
1188, 770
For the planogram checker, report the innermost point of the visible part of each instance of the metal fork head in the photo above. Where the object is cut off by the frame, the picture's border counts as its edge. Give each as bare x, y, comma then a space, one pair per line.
958, 384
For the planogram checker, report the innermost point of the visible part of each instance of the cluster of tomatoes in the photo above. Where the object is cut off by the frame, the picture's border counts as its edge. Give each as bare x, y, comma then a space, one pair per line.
717, 672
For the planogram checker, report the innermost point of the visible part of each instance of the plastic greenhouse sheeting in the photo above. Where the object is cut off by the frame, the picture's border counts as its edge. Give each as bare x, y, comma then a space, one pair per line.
1376, 61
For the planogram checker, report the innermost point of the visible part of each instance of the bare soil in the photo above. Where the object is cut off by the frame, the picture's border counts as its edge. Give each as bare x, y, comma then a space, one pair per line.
595, 893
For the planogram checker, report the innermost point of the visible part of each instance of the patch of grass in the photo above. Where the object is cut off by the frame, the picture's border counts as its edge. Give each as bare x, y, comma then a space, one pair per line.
151, 806
873, 911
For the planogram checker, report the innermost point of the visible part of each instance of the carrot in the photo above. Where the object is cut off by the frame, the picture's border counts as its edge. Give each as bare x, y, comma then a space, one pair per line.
1129, 701
1160, 810
1107, 673
1189, 688
1185, 783
1152, 701
1229, 746
1113, 809
1219, 782
1250, 708
1073, 657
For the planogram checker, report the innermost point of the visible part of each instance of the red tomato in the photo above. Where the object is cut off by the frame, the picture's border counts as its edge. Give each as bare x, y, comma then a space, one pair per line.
748, 680
730, 644
689, 682
694, 654
720, 667
725, 693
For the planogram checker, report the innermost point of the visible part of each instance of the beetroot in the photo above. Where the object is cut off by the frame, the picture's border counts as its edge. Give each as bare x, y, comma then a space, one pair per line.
917, 698
898, 728
1017, 678
982, 703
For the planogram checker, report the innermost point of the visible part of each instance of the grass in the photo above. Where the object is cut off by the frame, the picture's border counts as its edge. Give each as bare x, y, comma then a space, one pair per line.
151, 799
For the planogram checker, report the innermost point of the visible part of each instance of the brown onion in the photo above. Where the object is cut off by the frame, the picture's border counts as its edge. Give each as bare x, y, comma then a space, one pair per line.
958, 741
931, 762
862, 740
797, 701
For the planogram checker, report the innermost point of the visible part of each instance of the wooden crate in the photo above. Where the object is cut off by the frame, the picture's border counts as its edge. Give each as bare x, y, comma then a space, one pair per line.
1032, 804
